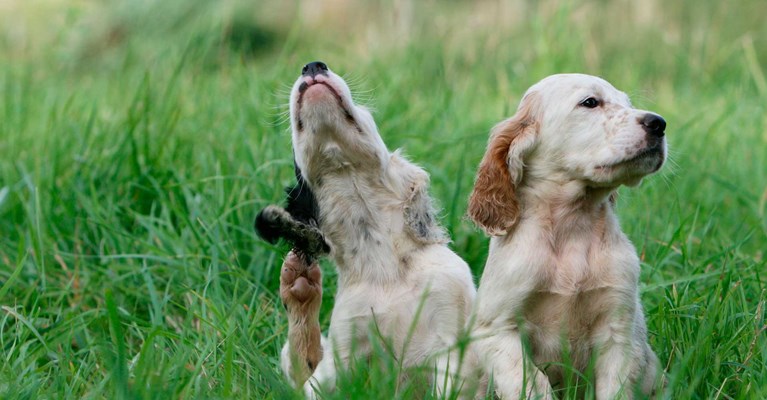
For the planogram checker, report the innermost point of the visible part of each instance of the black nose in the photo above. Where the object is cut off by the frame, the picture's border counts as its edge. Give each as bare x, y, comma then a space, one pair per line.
314, 68
653, 124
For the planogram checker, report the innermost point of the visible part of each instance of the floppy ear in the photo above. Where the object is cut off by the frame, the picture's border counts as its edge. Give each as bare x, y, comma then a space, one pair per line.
420, 215
493, 203
302, 204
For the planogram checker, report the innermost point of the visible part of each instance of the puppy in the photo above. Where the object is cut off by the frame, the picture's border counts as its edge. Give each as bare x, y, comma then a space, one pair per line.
560, 275
396, 274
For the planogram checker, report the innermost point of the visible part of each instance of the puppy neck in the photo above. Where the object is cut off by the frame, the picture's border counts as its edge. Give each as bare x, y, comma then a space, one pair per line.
362, 215
566, 210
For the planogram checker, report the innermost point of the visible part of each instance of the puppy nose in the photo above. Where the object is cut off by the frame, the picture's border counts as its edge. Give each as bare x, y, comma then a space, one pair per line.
653, 124
314, 68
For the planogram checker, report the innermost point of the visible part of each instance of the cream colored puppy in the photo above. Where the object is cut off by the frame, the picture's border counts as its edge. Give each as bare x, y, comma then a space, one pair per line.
391, 254
560, 272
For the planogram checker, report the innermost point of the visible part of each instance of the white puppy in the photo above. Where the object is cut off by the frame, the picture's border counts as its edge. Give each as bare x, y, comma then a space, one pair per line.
392, 259
560, 273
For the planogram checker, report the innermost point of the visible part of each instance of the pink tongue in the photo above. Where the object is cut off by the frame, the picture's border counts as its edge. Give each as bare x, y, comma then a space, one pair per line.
301, 289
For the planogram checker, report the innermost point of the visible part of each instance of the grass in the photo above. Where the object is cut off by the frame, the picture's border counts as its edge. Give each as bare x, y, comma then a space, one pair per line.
139, 139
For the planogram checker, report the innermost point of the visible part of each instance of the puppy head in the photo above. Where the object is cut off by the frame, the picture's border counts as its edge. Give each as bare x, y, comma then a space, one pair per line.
328, 129
590, 132
568, 127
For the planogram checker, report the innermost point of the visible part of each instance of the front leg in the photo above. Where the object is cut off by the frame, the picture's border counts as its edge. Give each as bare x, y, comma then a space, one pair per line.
301, 294
448, 374
612, 372
324, 375
514, 374
620, 345
503, 291
625, 361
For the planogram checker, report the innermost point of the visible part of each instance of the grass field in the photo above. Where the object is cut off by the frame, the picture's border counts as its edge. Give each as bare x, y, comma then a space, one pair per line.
139, 139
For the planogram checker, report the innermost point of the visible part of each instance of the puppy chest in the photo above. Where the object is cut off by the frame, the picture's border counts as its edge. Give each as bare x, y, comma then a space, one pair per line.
397, 318
551, 320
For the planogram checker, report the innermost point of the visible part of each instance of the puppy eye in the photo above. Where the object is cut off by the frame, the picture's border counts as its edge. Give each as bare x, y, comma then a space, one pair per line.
590, 103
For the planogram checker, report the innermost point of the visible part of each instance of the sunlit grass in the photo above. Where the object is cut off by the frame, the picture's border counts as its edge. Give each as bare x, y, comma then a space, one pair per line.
139, 139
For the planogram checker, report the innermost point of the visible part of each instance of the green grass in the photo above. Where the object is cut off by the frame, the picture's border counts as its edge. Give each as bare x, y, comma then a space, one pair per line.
138, 140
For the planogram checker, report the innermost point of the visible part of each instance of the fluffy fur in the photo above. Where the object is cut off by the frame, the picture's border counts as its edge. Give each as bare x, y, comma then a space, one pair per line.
390, 252
560, 273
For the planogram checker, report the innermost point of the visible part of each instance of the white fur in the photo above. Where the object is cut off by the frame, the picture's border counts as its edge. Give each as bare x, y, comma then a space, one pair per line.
563, 275
390, 253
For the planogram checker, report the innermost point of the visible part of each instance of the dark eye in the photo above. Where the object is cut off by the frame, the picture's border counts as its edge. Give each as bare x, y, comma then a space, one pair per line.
590, 103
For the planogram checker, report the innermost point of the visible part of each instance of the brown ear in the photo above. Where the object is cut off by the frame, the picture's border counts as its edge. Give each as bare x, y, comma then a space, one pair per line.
493, 203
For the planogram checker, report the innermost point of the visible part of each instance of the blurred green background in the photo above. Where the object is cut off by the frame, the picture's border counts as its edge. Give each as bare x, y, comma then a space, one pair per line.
138, 140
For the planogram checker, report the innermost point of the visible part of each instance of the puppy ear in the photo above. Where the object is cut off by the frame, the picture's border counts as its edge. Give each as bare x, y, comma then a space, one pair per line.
493, 203
613, 199
420, 215
266, 228
302, 204
421, 218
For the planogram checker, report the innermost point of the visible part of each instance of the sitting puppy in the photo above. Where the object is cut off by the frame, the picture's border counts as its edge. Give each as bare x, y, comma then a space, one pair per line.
374, 211
560, 273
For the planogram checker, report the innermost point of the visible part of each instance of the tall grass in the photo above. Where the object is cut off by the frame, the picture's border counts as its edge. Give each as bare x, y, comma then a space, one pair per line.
139, 139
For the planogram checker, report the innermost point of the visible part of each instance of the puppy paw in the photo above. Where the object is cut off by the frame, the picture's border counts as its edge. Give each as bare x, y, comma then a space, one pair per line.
269, 223
274, 222
301, 294
300, 286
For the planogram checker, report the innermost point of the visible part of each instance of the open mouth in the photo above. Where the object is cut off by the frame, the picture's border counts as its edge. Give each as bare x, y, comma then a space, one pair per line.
341, 104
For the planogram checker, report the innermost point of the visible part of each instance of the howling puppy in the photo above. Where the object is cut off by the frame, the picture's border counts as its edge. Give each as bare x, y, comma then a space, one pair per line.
560, 274
373, 209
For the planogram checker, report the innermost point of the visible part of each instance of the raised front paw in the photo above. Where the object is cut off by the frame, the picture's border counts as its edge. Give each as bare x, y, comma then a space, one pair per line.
300, 285
274, 222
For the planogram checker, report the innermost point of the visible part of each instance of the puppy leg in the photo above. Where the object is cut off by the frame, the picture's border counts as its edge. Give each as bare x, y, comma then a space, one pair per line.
273, 223
514, 376
301, 294
625, 362
446, 373
347, 340
650, 378
324, 375
648, 375
458, 376
612, 372
620, 357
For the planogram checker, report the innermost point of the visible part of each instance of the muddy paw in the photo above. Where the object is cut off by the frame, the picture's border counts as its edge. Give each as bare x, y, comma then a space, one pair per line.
274, 222
300, 285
